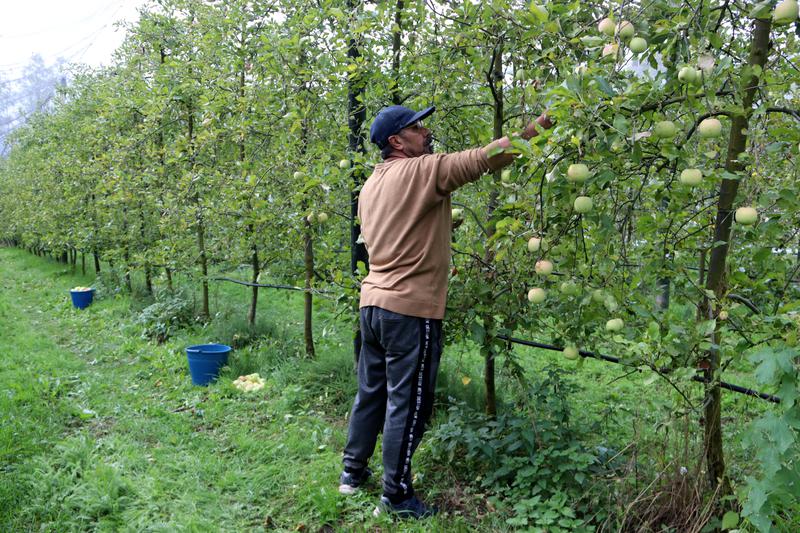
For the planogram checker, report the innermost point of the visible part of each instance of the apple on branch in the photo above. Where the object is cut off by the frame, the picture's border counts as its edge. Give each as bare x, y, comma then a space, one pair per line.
691, 176
637, 45
582, 204
543, 267
578, 172
665, 129
535, 244
607, 27
709, 128
785, 12
746, 216
537, 295
571, 352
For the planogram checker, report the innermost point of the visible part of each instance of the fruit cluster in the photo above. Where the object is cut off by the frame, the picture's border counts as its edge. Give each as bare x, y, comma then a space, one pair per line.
249, 383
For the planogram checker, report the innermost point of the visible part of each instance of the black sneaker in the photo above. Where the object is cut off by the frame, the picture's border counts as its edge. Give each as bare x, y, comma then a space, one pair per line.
410, 508
349, 482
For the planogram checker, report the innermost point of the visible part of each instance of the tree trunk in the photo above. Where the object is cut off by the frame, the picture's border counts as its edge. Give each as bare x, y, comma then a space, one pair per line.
199, 222
251, 314
489, 344
168, 272
201, 246
96, 261
663, 283
127, 276
356, 116
309, 271
243, 164
397, 42
715, 282
148, 274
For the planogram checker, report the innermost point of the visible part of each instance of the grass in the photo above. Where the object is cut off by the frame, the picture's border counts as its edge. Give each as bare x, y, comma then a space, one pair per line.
101, 430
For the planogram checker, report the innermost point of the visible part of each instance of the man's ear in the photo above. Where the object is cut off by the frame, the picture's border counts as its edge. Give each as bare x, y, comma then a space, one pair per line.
395, 142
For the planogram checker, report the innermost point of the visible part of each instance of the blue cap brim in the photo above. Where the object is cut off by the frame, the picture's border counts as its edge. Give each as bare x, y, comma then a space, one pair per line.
422, 115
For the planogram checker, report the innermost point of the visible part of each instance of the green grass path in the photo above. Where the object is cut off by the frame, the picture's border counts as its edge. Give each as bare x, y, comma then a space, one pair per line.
103, 431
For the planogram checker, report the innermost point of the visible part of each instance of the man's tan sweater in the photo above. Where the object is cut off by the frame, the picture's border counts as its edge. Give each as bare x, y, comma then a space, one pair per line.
406, 224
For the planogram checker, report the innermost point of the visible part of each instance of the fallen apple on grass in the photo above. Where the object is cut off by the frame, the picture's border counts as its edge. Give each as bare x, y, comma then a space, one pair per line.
249, 383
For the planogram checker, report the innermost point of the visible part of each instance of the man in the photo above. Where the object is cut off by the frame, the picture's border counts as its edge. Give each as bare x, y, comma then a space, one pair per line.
406, 223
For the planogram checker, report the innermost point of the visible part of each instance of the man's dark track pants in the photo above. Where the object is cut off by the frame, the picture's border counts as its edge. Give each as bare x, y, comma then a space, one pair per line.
397, 369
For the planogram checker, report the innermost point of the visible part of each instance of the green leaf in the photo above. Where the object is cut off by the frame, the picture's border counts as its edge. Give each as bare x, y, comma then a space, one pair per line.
761, 10
497, 150
730, 520
605, 86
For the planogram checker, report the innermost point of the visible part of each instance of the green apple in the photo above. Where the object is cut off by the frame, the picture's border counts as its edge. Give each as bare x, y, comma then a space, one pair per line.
543, 267
537, 295
505, 176
615, 324
571, 352
723, 315
691, 176
298, 175
322, 218
637, 45
311, 218
785, 12
344, 164
687, 75
570, 288
746, 216
607, 27
665, 129
457, 214
598, 296
535, 244
582, 204
709, 128
577, 172
625, 30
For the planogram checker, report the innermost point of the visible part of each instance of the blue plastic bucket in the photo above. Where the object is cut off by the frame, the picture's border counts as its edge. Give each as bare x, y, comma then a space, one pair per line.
82, 299
205, 360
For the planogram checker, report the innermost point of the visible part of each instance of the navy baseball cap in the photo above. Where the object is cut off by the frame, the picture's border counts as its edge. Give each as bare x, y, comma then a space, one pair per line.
392, 119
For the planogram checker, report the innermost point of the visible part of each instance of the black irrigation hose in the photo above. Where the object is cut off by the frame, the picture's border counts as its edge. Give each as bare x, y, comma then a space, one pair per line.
287, 287
584, 353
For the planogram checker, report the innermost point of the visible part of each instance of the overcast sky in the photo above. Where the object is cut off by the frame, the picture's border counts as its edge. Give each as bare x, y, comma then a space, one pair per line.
80, 31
